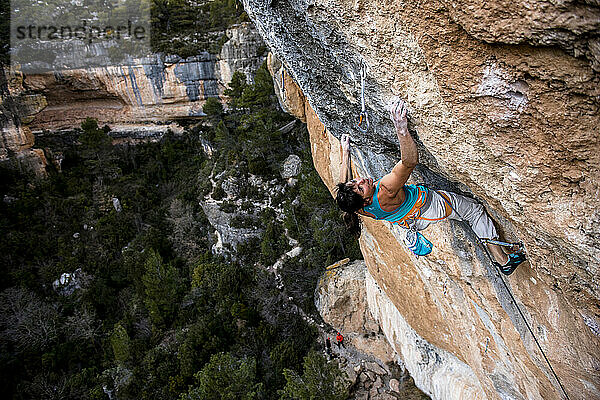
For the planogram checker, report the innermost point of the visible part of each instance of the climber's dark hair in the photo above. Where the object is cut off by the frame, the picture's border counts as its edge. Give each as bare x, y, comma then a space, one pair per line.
347, 199
349, 202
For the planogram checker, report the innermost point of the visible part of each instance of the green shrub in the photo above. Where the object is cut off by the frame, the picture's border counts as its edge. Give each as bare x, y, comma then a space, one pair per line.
273, 243
228, 207
226, 377
236, 88
119, 340
213, 108
139, 295
93, 137
260, 167
218, 193
320, 380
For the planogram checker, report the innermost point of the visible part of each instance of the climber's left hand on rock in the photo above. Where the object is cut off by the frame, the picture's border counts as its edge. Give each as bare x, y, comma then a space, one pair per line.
345, 141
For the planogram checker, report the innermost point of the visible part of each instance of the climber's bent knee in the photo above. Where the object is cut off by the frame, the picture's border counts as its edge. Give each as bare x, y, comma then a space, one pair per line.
474, 214
463, 208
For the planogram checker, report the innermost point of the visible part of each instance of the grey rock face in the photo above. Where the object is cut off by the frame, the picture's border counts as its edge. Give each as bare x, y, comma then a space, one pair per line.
327, 70
291, 166
394, 385
226, 234
137, 133
117, 204
245, 51
70, 282
231, 187
148, 91
341, 299
197, 72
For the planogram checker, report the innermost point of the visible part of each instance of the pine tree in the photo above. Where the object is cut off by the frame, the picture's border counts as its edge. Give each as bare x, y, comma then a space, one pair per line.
161, 283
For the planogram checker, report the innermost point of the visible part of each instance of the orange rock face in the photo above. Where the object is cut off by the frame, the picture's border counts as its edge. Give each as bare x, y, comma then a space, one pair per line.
515, 125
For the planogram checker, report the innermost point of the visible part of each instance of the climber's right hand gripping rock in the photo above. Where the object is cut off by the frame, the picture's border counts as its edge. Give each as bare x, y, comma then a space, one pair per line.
398, 114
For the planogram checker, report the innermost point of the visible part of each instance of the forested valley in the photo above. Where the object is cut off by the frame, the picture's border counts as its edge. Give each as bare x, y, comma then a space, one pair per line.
111, 286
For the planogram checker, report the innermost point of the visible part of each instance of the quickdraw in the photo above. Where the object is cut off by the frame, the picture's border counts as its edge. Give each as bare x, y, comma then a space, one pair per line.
363, 118
518, 245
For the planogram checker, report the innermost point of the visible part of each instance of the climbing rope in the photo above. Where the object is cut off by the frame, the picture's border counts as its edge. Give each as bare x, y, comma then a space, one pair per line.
364, 116
503, 244
481, 242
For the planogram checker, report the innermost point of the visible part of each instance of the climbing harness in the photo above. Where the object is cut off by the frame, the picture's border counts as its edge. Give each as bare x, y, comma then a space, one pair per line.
415, 212
514, 301
413, 239
283, 96
363, 118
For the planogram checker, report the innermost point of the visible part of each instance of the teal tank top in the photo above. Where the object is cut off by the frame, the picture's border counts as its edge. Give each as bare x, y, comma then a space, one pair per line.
411, 192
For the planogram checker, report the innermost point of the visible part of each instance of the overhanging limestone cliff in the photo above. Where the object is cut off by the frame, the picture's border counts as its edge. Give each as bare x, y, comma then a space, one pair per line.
148, 95
516, 126
155, 89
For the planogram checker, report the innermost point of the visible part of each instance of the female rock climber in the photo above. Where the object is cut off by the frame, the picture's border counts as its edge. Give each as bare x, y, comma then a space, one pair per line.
409, 206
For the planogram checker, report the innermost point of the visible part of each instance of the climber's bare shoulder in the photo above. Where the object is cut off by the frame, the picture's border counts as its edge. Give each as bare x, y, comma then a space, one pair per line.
395, 180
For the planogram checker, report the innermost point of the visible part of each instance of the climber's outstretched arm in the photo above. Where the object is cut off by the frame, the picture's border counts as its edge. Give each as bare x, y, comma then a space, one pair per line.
346, 171
395, 180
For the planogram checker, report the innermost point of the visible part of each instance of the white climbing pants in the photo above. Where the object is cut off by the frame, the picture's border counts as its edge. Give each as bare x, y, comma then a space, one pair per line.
471, 212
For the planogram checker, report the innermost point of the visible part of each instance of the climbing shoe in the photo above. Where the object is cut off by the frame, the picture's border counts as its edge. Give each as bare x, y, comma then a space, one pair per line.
514, 260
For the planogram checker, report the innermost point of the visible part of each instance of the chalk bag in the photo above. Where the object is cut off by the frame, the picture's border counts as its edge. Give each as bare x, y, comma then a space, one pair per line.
418, 243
